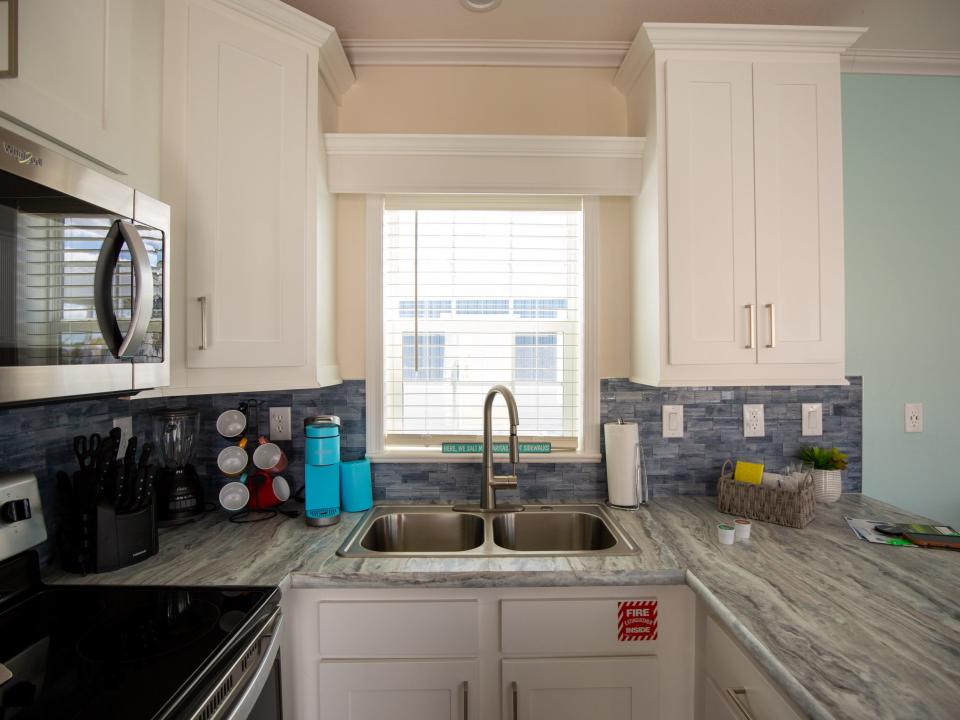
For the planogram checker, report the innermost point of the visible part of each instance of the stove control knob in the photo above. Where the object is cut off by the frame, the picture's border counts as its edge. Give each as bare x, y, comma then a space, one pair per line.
15, 510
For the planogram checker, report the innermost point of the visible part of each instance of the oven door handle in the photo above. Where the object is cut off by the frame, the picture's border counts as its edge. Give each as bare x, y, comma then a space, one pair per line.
242, 709
123, 347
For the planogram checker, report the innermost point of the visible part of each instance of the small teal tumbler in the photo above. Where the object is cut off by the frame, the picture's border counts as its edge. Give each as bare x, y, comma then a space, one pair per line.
356, 490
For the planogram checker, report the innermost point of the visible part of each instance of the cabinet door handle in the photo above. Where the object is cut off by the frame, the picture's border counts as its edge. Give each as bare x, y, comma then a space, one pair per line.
735, 694
203, 322
773, 325
752, 326
466, 700
516, 701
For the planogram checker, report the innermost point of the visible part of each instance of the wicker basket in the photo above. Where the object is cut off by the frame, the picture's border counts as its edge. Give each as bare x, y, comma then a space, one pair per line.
793, 508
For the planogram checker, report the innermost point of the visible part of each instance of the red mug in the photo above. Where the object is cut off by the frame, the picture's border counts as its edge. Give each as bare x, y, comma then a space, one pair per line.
267, 491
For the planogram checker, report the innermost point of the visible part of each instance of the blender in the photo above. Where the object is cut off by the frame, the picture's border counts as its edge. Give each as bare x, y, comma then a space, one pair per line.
179, 490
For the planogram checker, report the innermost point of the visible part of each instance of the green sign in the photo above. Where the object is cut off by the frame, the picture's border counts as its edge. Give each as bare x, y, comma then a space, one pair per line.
540, 448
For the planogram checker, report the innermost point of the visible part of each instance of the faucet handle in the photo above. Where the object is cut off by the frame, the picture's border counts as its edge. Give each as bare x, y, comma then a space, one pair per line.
504, 482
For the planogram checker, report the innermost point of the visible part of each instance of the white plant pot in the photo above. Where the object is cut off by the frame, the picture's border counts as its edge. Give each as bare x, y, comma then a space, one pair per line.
827, 485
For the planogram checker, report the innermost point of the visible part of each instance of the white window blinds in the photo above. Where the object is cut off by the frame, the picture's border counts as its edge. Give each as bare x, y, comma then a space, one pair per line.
479, 291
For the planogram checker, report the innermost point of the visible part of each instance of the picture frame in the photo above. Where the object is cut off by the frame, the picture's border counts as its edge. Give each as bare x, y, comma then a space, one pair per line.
8, 38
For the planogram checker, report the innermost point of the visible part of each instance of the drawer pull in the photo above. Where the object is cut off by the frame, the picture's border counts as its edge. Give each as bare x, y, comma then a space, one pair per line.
516, 702
735, 694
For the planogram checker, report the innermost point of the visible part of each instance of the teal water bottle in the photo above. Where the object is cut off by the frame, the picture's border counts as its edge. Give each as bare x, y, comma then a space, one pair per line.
322, 465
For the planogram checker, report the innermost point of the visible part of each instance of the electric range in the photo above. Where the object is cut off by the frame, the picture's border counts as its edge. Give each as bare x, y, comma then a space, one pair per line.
104, 652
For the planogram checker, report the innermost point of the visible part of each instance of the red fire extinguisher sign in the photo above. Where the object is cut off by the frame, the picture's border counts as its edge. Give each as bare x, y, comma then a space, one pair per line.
637, 620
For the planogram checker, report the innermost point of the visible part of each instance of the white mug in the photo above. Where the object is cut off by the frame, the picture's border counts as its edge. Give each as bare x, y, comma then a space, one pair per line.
231, 424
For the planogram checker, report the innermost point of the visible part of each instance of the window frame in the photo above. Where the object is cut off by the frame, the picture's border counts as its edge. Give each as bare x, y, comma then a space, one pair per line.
589, 444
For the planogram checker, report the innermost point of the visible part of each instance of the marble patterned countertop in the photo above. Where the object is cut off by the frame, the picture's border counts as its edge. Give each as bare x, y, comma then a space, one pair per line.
848, 629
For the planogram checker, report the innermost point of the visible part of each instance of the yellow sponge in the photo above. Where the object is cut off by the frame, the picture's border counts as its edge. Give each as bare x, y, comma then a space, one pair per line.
748, 472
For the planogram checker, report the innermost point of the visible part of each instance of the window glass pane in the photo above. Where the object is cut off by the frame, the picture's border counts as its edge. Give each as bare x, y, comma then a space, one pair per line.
477, 297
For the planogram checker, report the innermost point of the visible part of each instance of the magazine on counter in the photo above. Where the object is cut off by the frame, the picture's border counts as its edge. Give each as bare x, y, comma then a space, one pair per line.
867, 530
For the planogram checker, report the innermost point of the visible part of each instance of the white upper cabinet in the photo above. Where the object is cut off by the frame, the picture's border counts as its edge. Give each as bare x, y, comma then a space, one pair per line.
738, 237
245, 168
89, 81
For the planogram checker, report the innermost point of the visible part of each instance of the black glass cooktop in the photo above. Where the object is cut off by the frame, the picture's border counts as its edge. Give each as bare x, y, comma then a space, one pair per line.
116, 652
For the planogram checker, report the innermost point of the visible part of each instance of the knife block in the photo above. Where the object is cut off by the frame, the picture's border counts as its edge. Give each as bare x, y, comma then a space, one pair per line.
102, 540
124, 539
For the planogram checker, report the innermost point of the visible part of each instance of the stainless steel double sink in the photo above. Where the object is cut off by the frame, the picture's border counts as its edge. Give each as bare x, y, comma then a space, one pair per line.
437, 530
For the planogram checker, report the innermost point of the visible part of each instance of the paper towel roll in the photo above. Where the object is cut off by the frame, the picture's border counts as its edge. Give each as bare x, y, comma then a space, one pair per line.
622, 449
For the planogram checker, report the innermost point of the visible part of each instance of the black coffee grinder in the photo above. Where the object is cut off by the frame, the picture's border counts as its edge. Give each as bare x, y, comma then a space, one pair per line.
179, 490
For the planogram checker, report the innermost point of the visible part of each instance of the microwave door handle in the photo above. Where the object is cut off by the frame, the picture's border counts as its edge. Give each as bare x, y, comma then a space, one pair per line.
121, 346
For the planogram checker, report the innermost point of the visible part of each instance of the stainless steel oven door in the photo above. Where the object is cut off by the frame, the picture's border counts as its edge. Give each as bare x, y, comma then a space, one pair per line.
248, 688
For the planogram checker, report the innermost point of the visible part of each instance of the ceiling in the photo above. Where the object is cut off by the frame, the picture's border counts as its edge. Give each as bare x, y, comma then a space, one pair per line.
894, 24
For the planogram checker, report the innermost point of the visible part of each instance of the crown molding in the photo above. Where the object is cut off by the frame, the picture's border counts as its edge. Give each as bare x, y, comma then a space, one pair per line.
528, 53
716, 37
901, 62
409, 163
333, 64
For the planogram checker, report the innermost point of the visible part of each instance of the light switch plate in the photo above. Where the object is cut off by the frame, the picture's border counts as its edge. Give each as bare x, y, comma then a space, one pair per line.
811, 419
753, 421
280, 423
673, 421
913, 417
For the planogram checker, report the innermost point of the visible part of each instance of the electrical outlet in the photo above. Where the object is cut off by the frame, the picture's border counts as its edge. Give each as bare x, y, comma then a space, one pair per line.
811, 419
673, 421
280, 423
126, 432
753, 421
913, 417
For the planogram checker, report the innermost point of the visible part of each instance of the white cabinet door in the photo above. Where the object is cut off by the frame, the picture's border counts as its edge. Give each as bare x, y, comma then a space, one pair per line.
710, 213
250, 134
799, 212
573, 689
399, 690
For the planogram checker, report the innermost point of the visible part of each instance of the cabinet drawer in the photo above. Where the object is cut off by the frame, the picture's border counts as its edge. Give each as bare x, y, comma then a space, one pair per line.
399, 628
399, 690
732, 670
568, 627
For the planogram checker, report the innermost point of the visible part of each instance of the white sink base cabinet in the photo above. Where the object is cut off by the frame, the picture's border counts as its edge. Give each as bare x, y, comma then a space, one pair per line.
445, 654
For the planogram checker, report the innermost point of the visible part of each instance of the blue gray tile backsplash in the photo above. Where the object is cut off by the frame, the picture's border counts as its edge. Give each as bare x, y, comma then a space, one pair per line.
39, 439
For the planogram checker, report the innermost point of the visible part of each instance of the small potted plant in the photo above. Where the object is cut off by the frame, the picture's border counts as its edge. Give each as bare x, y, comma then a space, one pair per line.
827, 466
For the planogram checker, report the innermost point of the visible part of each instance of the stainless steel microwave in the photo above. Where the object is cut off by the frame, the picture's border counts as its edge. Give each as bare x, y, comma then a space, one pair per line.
84, 279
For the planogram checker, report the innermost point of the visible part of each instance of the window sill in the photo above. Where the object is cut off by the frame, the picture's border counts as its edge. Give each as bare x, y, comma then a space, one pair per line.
423, 456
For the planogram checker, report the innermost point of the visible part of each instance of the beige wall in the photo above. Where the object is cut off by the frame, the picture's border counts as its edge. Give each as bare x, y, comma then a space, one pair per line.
506, 101
521, 101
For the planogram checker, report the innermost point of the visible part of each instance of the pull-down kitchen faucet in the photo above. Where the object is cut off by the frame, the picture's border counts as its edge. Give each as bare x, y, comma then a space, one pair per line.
490, 483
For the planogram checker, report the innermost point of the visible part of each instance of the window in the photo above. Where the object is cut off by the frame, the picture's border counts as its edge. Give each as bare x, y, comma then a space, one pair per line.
431, 351
474, 292
535, 358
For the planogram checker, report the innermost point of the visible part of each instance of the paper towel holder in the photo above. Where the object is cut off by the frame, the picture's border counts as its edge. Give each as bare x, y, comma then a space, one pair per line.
642, 491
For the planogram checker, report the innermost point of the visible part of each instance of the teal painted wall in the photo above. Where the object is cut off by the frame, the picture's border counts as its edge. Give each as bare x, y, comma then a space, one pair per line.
901, 148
